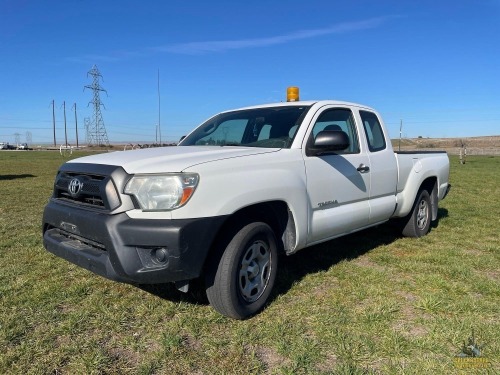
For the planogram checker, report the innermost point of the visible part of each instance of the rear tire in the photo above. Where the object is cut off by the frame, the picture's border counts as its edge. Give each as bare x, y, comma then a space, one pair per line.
240, 284
418, 222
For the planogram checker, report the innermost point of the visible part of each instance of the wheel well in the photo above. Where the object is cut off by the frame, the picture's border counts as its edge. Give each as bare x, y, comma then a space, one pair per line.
428, 184
276, 214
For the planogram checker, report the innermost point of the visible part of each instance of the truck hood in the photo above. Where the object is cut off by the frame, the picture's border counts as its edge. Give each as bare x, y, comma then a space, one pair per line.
169, 159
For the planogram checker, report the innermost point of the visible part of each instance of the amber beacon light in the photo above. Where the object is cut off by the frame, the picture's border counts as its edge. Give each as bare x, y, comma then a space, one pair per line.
292, 94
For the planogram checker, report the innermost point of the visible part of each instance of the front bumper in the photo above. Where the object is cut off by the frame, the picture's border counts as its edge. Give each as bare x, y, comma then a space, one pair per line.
136, 251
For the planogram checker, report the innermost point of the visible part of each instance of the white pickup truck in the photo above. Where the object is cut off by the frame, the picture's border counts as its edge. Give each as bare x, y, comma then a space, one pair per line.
242, 187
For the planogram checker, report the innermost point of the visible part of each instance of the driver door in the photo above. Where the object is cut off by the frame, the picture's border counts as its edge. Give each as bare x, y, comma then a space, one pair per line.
338, 184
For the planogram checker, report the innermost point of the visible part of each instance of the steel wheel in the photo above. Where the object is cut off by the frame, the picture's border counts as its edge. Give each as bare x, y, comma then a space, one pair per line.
255, 271
238, 284
418, 221
422, 214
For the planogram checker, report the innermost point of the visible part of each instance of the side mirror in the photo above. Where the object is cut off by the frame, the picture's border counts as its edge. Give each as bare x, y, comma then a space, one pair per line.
180, 140
328, 141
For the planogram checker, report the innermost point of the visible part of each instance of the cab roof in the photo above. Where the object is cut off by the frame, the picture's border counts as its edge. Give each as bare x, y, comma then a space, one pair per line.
320, 103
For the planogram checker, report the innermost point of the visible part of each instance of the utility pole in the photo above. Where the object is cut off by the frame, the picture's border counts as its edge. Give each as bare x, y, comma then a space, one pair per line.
76, 126
400, 130
159, 125
98, 135
65, 129
54, 122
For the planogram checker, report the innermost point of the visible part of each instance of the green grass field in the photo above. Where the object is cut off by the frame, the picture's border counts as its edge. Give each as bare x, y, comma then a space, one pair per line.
369, 303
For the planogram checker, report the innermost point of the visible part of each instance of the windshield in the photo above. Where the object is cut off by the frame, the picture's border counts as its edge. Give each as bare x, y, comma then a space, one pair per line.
272, 127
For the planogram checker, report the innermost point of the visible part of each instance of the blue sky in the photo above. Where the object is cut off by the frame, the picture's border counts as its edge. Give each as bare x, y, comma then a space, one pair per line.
433, 64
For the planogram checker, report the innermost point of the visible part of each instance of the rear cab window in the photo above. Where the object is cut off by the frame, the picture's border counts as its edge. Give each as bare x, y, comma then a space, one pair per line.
373, 130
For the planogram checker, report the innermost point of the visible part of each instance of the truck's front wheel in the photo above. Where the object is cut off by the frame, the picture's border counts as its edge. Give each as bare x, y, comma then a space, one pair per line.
240, 284
419, 220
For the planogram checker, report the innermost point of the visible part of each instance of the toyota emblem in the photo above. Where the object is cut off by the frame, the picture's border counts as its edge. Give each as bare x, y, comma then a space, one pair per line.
75, 186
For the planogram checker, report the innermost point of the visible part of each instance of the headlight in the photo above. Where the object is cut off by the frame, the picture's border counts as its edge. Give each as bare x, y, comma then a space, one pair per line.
162, 192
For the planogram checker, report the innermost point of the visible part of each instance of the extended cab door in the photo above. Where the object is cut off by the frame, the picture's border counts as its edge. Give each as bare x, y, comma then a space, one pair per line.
383, 168
338, 183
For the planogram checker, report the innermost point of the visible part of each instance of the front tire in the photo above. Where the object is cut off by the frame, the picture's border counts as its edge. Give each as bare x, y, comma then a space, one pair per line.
419, 220
240, 284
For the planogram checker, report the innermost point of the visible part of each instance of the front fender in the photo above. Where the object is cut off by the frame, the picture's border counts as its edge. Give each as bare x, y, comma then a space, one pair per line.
229, 185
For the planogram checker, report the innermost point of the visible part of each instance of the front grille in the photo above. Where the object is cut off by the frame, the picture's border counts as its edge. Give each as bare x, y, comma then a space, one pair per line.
88, 190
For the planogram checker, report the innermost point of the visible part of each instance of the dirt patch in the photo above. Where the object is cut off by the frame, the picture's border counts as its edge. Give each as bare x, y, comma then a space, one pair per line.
473, 252
406, 324
124, 355
329, 363
492, 275
364, 261
407, 296
409, 329
63, 341
270, 358
408, 310
191, 343
64, 308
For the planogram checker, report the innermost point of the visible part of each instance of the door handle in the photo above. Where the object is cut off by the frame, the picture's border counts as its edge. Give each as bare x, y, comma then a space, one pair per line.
363, 168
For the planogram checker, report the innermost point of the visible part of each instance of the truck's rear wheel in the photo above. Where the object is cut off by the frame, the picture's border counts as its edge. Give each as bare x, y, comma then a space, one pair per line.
419, 220
240, 284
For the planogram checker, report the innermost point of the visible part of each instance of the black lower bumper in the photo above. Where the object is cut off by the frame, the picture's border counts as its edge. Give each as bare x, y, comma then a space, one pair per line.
137, 251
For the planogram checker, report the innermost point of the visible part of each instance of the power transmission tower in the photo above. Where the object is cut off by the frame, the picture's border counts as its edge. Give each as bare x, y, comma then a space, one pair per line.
97, 131
86, 124
28, 138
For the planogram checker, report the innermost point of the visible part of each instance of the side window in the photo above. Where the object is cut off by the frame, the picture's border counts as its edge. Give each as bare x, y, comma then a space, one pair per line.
264, 132
373, 131
339, 119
